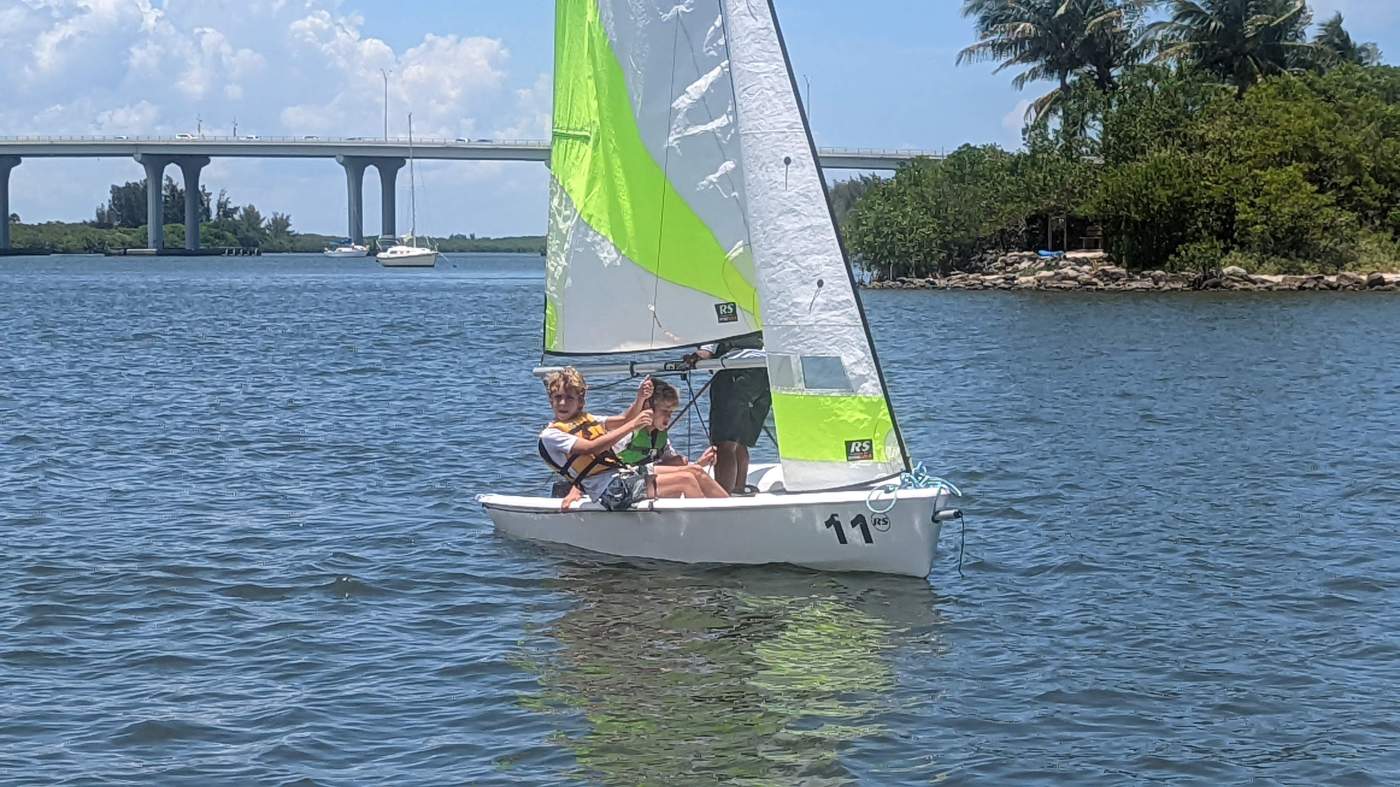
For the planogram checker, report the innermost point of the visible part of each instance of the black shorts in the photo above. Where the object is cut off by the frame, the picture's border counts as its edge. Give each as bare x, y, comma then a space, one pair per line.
739, 404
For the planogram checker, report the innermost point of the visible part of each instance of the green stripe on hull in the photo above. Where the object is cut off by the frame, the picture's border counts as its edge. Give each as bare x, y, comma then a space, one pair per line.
602, 162
817, 428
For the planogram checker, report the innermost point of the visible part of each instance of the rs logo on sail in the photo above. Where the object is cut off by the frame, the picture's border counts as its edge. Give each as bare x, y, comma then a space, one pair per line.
860, 450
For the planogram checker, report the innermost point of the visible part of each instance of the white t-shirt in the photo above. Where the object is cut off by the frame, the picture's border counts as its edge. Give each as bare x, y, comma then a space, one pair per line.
559, 444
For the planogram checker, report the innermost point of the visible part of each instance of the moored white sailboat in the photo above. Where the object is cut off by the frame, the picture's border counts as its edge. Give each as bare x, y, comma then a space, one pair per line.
407, 253
687, 206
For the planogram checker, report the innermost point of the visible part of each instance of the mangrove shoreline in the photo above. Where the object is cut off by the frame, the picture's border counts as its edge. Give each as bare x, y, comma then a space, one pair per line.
1096, 272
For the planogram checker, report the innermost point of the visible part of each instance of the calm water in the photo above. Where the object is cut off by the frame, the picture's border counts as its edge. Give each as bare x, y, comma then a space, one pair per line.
241, 546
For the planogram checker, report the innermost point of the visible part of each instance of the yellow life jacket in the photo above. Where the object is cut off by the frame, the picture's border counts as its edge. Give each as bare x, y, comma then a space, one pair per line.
578, 466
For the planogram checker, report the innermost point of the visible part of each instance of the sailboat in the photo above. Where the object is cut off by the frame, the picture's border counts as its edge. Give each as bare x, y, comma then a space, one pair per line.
346, 248
407, 253
687, 206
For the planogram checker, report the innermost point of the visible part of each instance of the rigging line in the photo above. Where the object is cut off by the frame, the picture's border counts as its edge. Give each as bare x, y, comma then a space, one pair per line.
665, 181
691, 392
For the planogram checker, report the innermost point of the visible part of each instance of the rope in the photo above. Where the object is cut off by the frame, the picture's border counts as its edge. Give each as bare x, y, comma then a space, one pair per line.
693, 399
917, 478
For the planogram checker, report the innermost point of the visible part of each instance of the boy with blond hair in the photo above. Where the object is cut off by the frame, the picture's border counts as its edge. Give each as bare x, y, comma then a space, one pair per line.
579, 447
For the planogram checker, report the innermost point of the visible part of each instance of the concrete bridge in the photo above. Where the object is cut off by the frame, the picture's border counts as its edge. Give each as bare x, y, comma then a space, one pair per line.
355, 154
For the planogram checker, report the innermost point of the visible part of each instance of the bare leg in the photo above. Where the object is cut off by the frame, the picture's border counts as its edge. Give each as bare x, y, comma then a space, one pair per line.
741, 467
677, 485
709, 487
726, 465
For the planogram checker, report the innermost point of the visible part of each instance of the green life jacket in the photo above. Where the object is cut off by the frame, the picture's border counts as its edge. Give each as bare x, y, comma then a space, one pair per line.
645, 447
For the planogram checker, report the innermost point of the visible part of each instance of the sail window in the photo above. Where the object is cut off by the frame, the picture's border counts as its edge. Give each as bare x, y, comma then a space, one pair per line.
782, 372
824, 373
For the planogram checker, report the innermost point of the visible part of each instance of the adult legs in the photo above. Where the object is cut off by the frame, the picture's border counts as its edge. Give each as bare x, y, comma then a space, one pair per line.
727, 464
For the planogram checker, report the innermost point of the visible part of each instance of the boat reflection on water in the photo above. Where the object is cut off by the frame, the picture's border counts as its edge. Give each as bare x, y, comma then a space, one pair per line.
729, 675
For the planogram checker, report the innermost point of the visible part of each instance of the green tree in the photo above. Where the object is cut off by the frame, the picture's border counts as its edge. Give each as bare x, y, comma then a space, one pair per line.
248, 226
1238, 41
224, 208
1337, 47
279, 225
126, 205
1055, 40
934, 216
173, 208
846, 194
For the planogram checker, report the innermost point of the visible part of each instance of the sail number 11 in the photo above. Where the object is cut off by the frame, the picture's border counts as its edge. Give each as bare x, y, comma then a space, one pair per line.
858, 522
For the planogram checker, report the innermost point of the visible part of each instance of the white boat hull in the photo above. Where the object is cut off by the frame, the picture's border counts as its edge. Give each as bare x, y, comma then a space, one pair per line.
815, 530
363, 252
412, 258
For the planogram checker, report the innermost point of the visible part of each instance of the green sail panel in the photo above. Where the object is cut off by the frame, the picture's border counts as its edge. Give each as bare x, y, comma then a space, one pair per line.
642, 253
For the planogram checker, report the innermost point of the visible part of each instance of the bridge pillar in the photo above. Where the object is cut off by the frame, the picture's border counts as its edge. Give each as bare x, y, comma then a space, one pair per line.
388, 174
155, 197
355, 189
7, 163
190, 167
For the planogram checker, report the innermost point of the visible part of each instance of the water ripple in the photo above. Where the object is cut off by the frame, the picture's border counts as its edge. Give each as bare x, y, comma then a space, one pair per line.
244, 548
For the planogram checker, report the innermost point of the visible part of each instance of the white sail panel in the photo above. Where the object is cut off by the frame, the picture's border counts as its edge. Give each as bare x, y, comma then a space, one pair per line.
835, 426
598, 298
645, 200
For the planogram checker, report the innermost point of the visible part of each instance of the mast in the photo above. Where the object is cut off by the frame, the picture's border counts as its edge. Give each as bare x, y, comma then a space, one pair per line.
412, 185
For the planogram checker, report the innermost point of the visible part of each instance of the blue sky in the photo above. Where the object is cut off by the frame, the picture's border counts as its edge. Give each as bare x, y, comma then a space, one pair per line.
882, 74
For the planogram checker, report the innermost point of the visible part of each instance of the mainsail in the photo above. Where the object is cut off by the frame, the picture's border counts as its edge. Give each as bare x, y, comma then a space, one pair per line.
687, 205
648, 245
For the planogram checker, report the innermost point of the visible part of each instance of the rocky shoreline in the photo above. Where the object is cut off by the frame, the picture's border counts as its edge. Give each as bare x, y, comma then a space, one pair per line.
1095, 271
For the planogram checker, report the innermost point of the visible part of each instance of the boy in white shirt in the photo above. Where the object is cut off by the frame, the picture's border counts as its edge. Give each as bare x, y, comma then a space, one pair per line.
579, 447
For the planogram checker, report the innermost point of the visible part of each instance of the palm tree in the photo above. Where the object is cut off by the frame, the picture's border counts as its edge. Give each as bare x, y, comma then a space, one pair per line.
1113, 38
1338, 48
1240, 41
1055, 40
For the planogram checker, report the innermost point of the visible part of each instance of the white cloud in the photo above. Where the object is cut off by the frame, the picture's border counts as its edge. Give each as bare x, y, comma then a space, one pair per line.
278, 67
129, 119
1014, 122
448, 82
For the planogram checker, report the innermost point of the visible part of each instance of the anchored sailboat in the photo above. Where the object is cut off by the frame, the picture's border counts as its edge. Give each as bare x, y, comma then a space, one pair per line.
686, 199
407, 253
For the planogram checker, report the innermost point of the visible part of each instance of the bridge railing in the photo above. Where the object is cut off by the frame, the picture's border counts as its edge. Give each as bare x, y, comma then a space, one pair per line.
280, 139
313, 139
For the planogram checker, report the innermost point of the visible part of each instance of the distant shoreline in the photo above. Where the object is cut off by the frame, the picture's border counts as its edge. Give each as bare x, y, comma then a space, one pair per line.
61, 237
